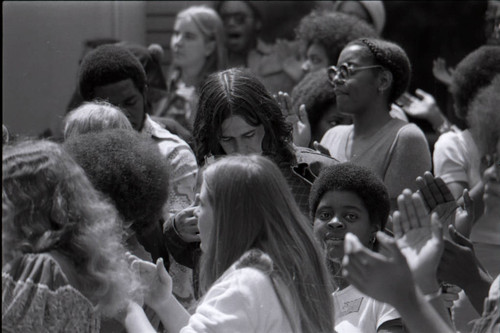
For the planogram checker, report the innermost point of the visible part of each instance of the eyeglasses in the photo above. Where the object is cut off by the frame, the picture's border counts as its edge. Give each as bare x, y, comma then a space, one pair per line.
345, 71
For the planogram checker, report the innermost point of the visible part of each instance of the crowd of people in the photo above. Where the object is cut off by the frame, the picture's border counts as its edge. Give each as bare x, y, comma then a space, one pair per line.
259, 187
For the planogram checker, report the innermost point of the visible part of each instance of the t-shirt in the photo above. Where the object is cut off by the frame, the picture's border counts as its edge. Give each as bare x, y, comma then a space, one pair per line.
242, 300
355, 310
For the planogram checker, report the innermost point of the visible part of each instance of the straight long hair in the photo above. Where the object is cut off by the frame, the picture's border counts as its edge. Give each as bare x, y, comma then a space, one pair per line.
254, 209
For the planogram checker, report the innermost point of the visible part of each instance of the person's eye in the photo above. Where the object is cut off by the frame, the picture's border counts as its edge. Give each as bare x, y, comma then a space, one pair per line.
190, 36
315, 60
351, 217
131, 102
225, 139
324, 216
249, 135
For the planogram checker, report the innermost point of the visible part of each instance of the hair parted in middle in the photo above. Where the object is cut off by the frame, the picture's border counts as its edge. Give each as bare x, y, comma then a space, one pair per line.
212, 28
393, 58
237, 92
253, 208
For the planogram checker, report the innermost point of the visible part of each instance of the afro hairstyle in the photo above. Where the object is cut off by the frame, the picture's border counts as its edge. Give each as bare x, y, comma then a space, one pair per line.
472, 73
109, 64
316, 93
357, 179
484, 117
129, 169
332, 30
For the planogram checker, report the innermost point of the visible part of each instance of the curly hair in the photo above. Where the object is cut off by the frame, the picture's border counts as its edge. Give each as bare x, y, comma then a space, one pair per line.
357, 179
48, 204
474, 72
316, 93
109, 64
238, 92
332, 30
484, 117
392, 57
127, 167
94, 117
270, 221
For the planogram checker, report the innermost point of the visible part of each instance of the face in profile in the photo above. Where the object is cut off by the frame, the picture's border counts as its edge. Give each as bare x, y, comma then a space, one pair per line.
188, 44
205, 214
491, 179
240, 26
239, 137
316, 58
338, 213
356, 92
124, 95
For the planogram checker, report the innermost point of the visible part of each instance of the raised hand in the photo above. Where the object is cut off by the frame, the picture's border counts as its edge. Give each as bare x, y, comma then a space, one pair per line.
320, 148
420, 238
297, 118
440, 72
438, 198
367, 270
156, 281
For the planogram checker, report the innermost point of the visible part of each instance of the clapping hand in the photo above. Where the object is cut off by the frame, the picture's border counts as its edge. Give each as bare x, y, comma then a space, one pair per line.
156, 281
441, 72
420, 238
297, 118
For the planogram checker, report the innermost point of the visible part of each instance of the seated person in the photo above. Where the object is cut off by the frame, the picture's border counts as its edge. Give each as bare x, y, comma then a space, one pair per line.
351, 199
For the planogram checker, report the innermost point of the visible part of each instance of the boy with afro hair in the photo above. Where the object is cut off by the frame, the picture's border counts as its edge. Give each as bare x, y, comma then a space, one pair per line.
350, 198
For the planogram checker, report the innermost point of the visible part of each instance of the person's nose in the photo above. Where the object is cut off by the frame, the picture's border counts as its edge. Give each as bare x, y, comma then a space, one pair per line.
335, 223
306, 66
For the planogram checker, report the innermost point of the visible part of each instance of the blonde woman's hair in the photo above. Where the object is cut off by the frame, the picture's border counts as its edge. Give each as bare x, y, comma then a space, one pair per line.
254, 208
94, 116
48, 204
212, 28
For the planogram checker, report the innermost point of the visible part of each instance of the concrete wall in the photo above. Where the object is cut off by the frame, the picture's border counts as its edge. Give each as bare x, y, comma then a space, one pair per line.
42, 44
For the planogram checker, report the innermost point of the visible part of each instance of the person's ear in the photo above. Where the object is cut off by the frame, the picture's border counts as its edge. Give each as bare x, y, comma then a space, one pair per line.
385, 79
209, 47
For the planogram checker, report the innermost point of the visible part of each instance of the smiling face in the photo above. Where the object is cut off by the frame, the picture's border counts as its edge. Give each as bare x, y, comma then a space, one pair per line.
188, 44
338, 213
125, 95
355, 94
316, 58
239, 137
240, 25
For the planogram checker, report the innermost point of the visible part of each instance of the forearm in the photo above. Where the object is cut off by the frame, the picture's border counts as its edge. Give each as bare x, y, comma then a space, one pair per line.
172, 314
477, 289
429, 287
136, 321
418, 316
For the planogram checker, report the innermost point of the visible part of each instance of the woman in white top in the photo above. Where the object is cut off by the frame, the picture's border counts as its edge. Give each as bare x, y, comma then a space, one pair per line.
261, 268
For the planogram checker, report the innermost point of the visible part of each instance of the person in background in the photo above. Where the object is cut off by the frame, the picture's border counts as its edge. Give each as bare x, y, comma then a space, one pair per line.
323, 35
262, 270
64, 267
198, 50
371, 74
276, 65
113, 74
315, 92
94, 117
372, 12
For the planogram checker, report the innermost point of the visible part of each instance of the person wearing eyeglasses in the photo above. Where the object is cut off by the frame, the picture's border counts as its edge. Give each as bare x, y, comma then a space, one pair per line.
371, 74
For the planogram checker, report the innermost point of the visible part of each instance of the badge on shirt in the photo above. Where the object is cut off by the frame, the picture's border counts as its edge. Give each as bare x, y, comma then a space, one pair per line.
351, 306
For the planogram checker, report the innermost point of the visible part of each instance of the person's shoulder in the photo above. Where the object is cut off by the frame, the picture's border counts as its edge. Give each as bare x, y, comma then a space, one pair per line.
409, 130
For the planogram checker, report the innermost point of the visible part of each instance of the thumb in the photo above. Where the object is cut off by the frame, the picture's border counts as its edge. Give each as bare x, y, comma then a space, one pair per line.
162, 272
436, 228
320, 148
303, 112
468, 202
458, 238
